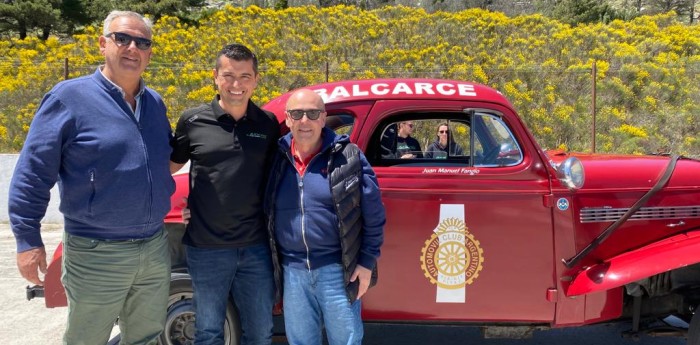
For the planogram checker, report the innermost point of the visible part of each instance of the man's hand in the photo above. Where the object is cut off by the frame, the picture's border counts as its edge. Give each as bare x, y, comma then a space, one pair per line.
365, 276
408, 156
28, 262
186, 215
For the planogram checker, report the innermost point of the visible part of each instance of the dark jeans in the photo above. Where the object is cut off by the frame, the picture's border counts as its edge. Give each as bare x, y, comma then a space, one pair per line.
244, 274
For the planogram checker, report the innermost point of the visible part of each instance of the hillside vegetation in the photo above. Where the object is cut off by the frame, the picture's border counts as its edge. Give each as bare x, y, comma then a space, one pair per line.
647, 85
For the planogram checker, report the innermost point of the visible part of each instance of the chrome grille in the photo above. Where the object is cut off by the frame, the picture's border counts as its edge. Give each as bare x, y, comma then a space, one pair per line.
601, 214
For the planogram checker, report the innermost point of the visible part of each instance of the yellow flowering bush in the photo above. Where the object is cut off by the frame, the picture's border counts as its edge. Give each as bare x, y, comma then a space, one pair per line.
646, 81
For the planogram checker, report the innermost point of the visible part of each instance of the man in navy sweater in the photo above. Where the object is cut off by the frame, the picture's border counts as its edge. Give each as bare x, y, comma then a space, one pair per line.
105, 139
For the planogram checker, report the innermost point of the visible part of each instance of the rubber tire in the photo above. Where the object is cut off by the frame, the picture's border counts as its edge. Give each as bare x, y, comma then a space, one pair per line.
179, 324
694, 328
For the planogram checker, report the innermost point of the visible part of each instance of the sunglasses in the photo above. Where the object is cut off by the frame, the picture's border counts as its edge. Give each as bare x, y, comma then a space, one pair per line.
410, 125
122, 39
311, 114
444, 131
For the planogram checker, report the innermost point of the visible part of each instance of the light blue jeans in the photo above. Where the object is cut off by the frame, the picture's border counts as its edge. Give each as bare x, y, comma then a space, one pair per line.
316, 298
244, 274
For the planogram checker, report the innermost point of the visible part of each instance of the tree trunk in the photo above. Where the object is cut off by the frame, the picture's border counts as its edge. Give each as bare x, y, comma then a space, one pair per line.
45, 32
692, 12
22, 28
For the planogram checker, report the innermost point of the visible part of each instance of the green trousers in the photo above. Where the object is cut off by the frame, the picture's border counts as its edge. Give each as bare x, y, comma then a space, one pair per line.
109, 280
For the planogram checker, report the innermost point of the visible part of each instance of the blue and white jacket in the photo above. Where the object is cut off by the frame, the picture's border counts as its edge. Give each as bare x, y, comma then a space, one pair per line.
331, 214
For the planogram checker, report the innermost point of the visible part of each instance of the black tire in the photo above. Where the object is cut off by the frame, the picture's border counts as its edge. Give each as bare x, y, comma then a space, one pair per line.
694, 328
179, 323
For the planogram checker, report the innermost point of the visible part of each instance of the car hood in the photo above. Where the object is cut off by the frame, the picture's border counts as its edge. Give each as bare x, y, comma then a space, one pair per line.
631, 171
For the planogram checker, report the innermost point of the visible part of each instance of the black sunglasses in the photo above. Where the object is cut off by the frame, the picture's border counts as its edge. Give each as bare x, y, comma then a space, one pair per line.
311, 114
444, 131
122, 39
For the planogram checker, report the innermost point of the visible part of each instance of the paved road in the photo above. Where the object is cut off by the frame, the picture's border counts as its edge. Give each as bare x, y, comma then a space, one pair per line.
26, 322
455, 335
29, 322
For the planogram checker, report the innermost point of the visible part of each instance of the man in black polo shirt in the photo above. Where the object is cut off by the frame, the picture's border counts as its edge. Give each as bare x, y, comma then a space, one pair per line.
406, 146
230, 143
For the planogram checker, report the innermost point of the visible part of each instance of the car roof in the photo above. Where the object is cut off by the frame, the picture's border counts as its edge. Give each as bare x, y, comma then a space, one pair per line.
397, 89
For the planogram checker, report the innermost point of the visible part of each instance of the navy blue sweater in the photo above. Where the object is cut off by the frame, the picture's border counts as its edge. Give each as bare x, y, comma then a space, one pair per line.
112, 171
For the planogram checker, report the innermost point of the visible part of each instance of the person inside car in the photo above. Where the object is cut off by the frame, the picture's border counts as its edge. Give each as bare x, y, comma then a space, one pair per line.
444, 145
406, 146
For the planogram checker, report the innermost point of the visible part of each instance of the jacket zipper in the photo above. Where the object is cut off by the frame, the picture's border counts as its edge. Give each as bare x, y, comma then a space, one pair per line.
301, 203
303, 222
150, 180
300, 185
92, 193
149, 175
131, 113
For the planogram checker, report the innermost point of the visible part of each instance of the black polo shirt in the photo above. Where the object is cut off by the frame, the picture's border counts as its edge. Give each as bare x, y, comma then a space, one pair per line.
230, 162
408, 145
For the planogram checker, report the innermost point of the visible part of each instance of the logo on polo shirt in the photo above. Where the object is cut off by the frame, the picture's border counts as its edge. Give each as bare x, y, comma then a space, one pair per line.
257, 135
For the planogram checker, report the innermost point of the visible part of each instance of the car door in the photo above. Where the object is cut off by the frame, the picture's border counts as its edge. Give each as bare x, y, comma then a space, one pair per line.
467, 238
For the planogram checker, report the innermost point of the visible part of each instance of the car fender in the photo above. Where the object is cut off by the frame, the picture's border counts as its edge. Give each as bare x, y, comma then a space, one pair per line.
665, 255
54, 294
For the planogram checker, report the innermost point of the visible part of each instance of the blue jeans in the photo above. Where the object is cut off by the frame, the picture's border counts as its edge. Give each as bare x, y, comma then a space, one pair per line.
316, 298
243, 274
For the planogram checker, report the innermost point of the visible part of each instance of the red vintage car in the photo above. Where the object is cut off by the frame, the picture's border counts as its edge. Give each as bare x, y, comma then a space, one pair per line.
500, 233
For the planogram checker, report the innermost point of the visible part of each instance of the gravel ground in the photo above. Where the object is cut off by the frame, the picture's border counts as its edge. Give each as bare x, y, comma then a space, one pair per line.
27, 322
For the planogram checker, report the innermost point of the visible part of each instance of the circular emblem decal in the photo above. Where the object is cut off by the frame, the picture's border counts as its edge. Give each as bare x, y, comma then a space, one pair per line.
451, 257
562, 204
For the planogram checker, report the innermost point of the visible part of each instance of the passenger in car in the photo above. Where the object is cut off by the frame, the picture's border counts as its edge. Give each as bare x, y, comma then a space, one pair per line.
444, 145
406, 146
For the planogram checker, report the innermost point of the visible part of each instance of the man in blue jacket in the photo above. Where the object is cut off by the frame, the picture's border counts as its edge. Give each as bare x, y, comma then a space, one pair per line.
105, 139
327, 219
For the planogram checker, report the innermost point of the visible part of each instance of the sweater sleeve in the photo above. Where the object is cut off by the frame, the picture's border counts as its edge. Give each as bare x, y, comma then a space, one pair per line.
373, 217
37, 170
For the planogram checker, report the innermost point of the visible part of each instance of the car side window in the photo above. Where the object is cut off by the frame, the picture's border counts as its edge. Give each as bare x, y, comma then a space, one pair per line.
340, 123
496, 146
480, 139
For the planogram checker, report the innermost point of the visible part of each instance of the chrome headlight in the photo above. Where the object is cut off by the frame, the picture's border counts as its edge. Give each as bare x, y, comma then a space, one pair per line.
570, 173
